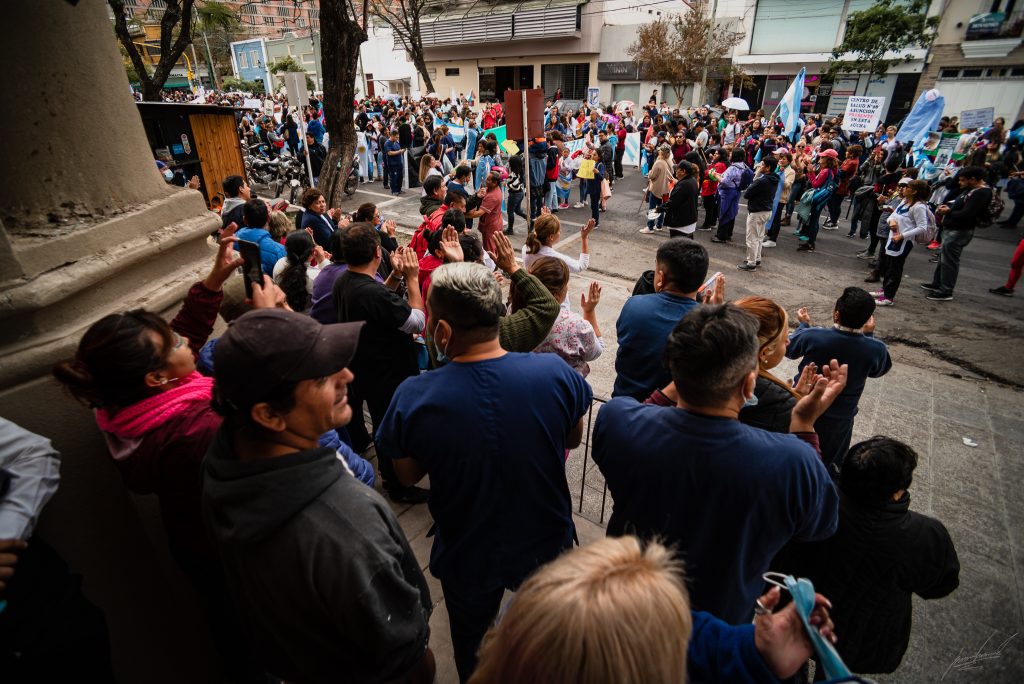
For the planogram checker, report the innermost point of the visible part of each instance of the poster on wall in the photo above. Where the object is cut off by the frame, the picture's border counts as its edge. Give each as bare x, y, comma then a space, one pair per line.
842, 90
862, 113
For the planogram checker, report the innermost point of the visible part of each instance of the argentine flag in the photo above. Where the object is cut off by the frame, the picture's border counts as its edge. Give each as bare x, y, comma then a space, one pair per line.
789, 107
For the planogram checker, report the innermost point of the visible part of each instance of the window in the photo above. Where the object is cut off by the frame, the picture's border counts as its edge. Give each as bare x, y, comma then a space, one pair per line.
268, 21
573, 79
314, 23
949, 73
971, 73
432, 72
282, 11
243, 62
448, 71
300, 22
1017, 71
254, 59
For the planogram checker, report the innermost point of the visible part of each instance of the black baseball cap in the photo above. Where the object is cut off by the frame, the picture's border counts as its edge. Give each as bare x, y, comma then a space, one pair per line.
266, 348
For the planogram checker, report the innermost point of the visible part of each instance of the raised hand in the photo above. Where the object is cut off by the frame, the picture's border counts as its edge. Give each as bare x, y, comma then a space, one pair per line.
409, 264
389, 227
451, 246
268, 295
802, 316
590, 299
503, 255
588, 228
826, 388
805, 382
545, 210
226, 261
780, 637
716, 293
869, 327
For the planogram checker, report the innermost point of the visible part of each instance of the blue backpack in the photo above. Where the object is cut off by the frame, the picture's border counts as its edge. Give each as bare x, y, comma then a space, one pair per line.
747, 178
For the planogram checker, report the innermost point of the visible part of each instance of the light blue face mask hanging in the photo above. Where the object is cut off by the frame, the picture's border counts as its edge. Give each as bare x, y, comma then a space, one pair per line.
752, 401
802, 592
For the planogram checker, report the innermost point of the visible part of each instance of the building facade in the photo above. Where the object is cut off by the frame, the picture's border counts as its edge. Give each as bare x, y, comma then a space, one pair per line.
781, 36
249, 61
977, 59
489, 47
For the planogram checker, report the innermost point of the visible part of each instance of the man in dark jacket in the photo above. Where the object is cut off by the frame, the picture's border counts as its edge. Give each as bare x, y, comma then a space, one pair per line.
680, 208
317, 154
317, 563
760, 197
959, 219
607, 150
880, 555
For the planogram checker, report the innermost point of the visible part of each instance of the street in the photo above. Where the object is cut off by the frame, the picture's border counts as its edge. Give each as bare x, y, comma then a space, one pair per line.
957, 377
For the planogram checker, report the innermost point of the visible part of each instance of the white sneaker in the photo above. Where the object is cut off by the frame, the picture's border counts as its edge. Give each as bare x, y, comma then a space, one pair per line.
882, 301
768, 243
646, 231
578, 205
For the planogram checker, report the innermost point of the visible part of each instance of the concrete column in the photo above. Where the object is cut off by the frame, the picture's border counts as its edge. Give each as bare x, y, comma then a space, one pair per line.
89, 227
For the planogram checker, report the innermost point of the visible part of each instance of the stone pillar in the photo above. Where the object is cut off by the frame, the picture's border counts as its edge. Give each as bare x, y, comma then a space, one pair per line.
89, 227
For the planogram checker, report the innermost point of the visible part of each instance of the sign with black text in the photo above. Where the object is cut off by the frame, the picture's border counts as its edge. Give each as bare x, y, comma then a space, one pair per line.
862, 113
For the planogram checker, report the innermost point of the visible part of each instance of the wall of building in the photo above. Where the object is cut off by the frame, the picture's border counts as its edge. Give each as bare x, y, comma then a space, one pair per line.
303, 49
388, 67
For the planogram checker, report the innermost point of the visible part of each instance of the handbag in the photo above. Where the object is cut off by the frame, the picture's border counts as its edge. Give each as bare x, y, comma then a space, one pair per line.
606, 189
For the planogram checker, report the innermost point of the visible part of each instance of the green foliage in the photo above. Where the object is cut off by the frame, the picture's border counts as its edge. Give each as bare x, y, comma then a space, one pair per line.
888, 26
284, 65
232, 83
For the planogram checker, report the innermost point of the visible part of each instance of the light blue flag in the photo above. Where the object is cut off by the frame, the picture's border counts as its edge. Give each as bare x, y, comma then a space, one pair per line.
789, 107
923, 118
457, 132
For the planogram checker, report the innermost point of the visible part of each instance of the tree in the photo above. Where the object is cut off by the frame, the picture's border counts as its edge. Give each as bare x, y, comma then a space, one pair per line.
175, 36
217, 19
403, 16
678, 50
231, 83
287, 64
341, 34
886, 28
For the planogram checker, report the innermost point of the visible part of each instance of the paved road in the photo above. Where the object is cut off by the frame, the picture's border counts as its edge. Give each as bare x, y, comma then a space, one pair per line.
958, 374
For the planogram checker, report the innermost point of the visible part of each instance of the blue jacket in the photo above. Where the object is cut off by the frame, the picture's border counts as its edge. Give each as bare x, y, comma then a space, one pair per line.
719, 652
644, 325
323, 230
270, 251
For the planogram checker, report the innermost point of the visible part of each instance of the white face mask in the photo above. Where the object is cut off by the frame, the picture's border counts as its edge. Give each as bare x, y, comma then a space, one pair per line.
168, 175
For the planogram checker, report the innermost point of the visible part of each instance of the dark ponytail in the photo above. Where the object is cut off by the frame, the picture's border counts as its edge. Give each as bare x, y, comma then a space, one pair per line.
299, 248
115, 354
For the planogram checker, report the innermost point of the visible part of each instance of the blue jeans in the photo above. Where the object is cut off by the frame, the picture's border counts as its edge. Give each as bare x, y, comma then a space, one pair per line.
595, 201
515, 203
551, 199
948, 268
811, 231
654, 202
583, 189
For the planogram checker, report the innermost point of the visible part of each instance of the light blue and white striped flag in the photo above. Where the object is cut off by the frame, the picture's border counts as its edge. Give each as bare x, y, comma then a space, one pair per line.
789, 107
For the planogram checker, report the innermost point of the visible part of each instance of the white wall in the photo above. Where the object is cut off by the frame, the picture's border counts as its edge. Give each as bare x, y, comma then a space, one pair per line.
1007, 97
384, 62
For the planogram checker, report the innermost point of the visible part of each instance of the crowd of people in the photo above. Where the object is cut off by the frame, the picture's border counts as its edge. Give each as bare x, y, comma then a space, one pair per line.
721, 471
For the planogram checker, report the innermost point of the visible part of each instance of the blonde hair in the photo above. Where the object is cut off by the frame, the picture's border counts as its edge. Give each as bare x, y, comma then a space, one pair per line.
544, 226
611, 611
425, 165
279, 225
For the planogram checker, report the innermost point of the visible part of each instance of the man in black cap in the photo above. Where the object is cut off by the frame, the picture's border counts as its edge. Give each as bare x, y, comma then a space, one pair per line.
319, 568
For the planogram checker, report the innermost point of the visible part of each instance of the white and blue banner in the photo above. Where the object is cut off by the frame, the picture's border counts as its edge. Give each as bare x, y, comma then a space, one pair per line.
631, 155
789, 106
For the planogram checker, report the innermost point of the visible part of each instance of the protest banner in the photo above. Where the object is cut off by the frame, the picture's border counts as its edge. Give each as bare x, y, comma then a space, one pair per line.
862, 113
977, 118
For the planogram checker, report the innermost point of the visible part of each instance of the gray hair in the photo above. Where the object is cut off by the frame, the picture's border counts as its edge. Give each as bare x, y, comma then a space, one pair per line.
466, 295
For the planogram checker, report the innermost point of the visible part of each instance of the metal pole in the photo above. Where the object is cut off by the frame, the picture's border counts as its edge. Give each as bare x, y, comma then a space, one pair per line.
526, 164
195, 60
316, 59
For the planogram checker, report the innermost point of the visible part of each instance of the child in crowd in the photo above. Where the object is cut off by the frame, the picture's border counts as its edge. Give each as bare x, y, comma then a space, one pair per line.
850, 341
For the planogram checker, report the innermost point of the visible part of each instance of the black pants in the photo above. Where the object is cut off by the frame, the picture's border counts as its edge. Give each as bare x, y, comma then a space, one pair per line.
834, 435
776, 227
725, 229
536, 201
394, 179
618, 163
835, 207
377, 394
470, 614
890, 268
49, 632
710, 211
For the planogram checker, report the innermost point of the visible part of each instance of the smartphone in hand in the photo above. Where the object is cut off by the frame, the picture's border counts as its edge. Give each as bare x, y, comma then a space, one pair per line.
710, 284
252, 266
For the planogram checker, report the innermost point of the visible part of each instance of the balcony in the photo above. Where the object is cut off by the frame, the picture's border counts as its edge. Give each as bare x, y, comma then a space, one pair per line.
478, 21
992, 35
